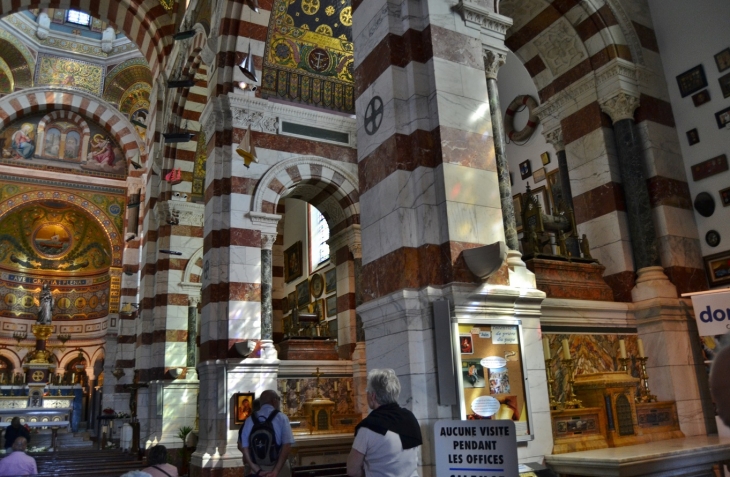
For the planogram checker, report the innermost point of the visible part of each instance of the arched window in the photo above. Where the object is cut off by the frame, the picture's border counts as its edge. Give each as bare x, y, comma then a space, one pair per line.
319, 233
78, 18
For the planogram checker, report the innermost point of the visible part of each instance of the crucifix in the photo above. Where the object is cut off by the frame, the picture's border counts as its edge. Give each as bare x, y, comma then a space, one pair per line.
317, 375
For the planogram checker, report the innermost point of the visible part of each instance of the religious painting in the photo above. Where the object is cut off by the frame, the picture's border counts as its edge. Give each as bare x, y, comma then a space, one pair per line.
539, 175
466, 344
303, 297
68, 73
717, 267
542, 198
62, 143
722, 60
330, 280
723, 118
316, 285
292, 301
332, 306
693, 137
242, 407
692, 81
555, 189
725, 85
293, 262
525, 169
309, 54
517, 204
51, 240
285, 305
701, 98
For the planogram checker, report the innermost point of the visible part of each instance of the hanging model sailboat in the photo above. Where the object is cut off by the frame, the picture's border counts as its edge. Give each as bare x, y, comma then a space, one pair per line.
246, 149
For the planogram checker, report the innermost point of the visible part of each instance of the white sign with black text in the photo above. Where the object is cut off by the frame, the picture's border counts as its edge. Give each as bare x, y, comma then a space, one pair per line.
712, 312
482, 448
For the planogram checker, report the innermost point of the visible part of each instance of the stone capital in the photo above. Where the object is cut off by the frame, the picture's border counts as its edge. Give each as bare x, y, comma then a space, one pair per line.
193, 300
621, 106
350, 238
180, 213
555, 137
267, 240
266, 223
493, 61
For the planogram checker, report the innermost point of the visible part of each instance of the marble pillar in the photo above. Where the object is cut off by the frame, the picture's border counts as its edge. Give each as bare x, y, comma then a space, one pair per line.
192, 332
492, 62
621, 109
267, 281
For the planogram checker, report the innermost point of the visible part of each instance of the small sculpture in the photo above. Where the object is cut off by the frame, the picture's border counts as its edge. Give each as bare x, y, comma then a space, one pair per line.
45, 313
585, 247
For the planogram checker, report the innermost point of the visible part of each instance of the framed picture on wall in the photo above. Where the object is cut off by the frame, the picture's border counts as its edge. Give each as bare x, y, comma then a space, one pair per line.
539, 175
285, 305
292, 300
725, 85
303, 297
723, 118
701, 98
525, 169
316, 285
330, 281
722, 60
692, 81
332, 306
543, 198
293, 262
725, 196
242, 407
545, 156
717, 267
693, 137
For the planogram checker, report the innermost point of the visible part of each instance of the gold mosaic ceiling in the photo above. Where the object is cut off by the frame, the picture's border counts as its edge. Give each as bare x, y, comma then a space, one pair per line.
128, 85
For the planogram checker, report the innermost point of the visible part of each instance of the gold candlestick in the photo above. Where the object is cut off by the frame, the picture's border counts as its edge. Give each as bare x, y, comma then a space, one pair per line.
553, 403
624, 364
645, 394
571, 400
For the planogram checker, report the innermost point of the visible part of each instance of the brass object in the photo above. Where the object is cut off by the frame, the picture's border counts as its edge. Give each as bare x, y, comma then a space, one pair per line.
624, 364
571, 400
554, 405
645, 394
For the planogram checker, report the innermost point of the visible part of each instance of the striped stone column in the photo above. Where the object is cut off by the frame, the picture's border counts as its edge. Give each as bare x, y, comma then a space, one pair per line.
621, 109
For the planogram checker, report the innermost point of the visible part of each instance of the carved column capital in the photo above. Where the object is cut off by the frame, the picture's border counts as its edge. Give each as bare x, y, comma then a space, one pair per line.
555, 137
193, 300
493, 60
620, 106
267, 240
350, 237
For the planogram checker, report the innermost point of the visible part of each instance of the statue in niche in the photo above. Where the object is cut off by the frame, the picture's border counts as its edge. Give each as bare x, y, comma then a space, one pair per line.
45, 313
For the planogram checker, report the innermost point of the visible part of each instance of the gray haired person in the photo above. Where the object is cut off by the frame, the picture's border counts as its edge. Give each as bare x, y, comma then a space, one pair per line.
386, 441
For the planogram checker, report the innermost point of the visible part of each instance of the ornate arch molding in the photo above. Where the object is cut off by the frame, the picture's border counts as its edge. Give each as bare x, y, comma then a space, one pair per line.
70, 356
13, 357
32, 100
22, 199
324, 183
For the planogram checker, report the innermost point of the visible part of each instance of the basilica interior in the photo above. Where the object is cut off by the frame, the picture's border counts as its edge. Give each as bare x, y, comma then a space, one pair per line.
505, 201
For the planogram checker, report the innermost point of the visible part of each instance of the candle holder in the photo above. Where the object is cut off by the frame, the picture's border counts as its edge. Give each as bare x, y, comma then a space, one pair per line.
571, 400
624, 364
554, 405
645, 394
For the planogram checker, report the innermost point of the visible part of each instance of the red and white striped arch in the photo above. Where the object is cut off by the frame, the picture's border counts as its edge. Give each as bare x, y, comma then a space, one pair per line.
33, 100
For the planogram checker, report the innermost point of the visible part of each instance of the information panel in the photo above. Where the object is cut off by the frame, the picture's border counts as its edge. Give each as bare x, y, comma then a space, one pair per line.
491, 374
475, 449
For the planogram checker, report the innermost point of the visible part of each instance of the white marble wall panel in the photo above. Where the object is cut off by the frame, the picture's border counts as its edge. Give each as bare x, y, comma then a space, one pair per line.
608, 236
613, 35
674, 221
582, 11
521, 12
461, 113
244, 322
680, 252
592, 161
370, 25
651, 78
662, 154
399, 189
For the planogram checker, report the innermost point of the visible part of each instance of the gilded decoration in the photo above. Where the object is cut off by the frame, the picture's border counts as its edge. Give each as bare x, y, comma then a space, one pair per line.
105, 204
57, 71
309, 53
19, 60
122, 78
199, 169
203, 14
7, 85
167, 5
70, 144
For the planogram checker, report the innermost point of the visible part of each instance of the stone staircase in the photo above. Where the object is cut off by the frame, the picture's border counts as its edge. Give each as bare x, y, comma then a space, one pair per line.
66, 440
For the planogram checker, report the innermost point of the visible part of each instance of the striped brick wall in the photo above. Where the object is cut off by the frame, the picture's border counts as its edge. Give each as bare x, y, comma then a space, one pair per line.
592, 39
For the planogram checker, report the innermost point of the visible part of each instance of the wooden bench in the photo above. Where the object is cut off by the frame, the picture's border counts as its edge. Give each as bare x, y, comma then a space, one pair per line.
321, 470
85, 463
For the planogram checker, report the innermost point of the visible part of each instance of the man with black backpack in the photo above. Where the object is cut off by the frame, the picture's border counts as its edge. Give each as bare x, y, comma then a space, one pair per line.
266, 438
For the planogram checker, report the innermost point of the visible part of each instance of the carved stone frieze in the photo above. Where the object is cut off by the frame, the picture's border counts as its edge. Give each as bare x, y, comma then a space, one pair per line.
350, 237
621, 106
259, 121
477, 15
560, 47
493, 61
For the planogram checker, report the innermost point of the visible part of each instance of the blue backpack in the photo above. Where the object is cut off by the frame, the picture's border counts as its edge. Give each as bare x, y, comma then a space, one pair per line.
262, 441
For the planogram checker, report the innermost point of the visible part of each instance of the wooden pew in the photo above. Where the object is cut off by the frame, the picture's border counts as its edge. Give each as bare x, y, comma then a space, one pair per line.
86, 463
321, 470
